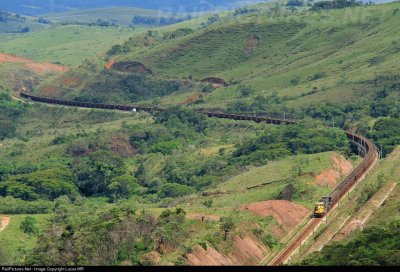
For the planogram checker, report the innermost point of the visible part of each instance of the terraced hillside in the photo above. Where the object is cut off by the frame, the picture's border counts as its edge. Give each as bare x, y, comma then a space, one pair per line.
297, 59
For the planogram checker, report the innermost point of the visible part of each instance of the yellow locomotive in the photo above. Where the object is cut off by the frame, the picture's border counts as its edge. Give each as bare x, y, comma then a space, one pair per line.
322, 206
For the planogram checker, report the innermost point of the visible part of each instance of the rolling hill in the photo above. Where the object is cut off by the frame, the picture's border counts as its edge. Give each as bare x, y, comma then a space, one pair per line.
35, 7
178, 188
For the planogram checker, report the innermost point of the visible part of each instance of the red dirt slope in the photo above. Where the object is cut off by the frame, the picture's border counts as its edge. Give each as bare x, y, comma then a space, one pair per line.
37, 67
248, 250
286, 213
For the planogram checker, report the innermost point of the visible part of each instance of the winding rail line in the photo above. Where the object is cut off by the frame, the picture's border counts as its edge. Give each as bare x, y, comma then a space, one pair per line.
364, 146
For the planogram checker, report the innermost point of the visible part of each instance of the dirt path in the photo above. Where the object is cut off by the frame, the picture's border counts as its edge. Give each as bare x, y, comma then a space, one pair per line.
37, 67
5, 220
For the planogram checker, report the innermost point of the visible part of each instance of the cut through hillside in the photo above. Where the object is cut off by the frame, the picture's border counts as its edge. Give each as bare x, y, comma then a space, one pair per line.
246, 250
131, 67
330, 177
286, 213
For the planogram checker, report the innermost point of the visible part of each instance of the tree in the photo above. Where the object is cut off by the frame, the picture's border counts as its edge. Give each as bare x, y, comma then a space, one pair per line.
245, 90
122, 186
95, 172
226, 225
29, 225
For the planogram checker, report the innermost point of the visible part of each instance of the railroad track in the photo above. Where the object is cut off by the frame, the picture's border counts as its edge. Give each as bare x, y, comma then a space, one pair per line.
368, 149
364, 147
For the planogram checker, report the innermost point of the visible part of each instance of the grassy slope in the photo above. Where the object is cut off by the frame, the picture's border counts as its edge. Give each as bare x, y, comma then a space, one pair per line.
390, 209
338, 43
15, 24
69, 45
14, 241
121, 15
388, 212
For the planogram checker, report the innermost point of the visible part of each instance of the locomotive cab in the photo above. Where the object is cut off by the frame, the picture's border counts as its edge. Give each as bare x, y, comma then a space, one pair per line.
322, 207
319, 209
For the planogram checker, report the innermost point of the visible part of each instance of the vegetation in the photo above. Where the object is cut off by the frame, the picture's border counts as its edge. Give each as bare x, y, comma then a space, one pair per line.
336, 4
158, 21
374, 246
124, 188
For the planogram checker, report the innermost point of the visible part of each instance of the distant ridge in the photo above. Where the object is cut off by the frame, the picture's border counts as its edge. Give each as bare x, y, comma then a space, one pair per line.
39, 7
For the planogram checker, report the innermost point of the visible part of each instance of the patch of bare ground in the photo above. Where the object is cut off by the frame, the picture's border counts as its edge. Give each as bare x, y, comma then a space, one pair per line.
131, 67
5, 220
122, 147
330, 177
246, 250
215, 82
49, 90
70, 81
37, 67
110, 64
151, 258
286, 213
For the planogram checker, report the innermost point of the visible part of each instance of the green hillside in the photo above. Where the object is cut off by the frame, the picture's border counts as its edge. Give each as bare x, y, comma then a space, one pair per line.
120, 15
176, 187
69, 45
16, 23
304, 57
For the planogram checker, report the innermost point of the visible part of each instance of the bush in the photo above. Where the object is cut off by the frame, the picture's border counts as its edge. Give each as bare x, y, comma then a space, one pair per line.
175, 190
376, 245
11, 205
335, 4
45, 184
28, 226
96, 171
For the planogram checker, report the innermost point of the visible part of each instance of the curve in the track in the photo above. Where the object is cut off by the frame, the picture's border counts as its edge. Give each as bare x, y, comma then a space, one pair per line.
363, 145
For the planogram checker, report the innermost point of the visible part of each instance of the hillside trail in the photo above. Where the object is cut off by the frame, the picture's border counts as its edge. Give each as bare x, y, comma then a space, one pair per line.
5, 220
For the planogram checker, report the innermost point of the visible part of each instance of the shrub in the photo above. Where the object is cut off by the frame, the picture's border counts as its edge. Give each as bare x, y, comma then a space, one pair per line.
28, 226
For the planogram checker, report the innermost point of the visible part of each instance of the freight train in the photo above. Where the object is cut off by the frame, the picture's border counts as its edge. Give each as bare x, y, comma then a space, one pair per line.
364, 146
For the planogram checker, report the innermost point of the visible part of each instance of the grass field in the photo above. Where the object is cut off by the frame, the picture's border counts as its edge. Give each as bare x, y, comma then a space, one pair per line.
14, 242
292, 53
68, 45
119, 15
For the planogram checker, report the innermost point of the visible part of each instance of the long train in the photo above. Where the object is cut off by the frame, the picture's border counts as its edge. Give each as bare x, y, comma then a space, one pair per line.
364, 146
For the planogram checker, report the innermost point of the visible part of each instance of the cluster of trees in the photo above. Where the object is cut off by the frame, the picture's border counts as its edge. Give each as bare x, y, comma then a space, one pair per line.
377, 245
134, 87
110, 236
335, 4
44, 184
277, 143
295, 3
385, 133
99, 22
244, 10
103, 173
158, 20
